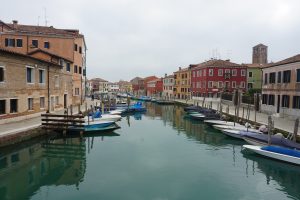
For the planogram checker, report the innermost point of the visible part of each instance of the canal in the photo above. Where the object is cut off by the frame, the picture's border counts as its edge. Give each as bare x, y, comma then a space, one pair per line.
158, 155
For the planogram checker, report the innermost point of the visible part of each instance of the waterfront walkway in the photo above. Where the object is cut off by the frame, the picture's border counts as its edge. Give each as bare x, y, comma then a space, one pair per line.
13, 128
281, 123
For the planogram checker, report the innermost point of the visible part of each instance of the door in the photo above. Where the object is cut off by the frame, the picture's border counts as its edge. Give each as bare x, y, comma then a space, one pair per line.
65, 100
278, 103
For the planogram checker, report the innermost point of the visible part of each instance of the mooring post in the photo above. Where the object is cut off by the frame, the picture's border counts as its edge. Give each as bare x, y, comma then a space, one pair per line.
269, 129
71, 109
79, 109
86, 106
296, 130
243, 112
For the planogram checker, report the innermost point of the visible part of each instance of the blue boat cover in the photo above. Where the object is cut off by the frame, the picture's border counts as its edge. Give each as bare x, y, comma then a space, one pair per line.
282, 150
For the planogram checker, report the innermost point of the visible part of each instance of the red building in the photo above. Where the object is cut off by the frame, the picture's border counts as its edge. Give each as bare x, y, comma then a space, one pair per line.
155, 87
211, 77
145, 82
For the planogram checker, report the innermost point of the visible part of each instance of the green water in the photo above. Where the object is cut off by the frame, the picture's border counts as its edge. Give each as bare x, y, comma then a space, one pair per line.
159, 155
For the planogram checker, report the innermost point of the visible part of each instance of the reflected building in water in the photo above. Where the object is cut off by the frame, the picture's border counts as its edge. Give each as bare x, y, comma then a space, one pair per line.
59, 162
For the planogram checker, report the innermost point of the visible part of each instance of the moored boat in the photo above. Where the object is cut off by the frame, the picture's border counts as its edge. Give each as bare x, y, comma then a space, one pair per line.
278, 153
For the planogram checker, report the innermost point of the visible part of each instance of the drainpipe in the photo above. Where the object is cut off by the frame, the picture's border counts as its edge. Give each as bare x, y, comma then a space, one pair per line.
48, 88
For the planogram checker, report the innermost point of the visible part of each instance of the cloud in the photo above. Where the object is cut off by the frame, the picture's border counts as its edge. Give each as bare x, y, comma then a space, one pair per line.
128, 38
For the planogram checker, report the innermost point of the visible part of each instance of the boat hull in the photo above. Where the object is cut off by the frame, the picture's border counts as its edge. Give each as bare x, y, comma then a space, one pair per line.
277, 156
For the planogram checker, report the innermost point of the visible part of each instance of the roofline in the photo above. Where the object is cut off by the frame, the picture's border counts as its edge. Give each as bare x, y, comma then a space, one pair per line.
28, 56
51, 54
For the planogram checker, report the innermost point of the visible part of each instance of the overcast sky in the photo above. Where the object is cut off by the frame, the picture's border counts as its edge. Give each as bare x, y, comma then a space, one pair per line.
128, 38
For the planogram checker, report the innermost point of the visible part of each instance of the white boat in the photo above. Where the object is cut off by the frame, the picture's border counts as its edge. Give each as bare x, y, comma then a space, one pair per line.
116, 112
236, 127
105, 117
232, 133
221, 122
278, 153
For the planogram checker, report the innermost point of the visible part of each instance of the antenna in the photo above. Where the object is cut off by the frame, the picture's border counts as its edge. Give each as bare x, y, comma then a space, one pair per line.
38, 20
45, 16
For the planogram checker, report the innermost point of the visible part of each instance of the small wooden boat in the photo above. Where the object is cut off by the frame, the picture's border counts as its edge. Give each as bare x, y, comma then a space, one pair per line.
278, 153
204, 116
165, 102
95, 126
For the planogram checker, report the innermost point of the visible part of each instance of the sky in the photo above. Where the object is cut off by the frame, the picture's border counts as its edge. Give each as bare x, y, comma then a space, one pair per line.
129, 38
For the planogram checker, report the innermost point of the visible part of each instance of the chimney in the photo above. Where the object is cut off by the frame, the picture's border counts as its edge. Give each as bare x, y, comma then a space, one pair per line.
15, 23
165, 75
179, 68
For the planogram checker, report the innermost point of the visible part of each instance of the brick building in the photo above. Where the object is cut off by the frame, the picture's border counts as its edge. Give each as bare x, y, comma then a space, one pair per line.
214, 76
44, 42
30, 85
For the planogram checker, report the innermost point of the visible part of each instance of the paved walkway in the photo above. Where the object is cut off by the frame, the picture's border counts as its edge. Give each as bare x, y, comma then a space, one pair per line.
28, 124
284, 124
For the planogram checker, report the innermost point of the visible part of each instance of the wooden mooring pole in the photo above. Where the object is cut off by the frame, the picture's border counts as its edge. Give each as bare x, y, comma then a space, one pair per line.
296, 129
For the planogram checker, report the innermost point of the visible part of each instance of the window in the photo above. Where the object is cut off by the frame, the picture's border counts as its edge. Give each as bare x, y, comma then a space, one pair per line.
204, 84
250, 85
30, 74
30, 103
287, 76
204, 72
13, 105
227, 71
56, 81
242, 84
2, 107
19, 43
80, 70
9, 42
296, 102
279, 77
233, 84
220, 83
75, 69
197, 73
68, 67
243, 72
35, 43
210, 84
220, 72
1, 74
42, 102
41, 76
75, 47
264, 99
211, 72
194, 74
266, 79
227, 84
298, 76
250, 74
285, 101
200, 72
234, 72
271, 100
56, 100
272, 77
76, 91
46, 45
80, 50
194, 84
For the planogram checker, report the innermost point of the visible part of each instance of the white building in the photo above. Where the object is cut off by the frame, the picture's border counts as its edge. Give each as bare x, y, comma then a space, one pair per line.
168, 87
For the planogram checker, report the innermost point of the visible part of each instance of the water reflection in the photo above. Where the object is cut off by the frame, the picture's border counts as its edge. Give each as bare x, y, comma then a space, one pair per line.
286, 175
24, 169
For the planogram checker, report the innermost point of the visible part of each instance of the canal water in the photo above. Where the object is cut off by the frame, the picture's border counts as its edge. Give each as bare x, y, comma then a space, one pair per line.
159, 155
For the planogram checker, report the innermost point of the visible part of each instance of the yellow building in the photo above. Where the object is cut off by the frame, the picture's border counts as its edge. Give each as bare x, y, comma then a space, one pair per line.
182, 87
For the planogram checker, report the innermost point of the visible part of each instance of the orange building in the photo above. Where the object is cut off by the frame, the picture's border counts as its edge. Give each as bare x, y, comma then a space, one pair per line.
43, 42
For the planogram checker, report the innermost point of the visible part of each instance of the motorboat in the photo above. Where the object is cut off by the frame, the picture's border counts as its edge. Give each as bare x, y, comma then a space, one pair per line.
237, 126
95, 126
278, 153
103, 117
237, 133
220, 122
116, 112
277, 140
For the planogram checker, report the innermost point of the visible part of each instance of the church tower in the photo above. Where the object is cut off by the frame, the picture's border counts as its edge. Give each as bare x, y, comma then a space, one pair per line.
260, 54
